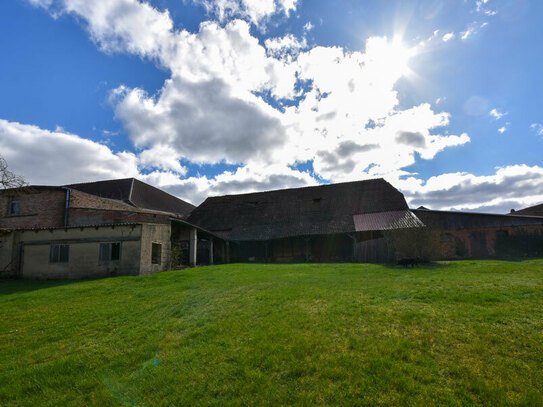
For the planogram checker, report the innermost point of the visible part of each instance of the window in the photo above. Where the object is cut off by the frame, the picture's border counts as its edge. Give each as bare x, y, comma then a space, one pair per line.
156, 253
14, 206
59, 253
446, 238
502, 233
110, 252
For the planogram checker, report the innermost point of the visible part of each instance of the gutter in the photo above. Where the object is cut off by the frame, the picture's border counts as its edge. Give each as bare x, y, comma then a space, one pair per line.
67, 206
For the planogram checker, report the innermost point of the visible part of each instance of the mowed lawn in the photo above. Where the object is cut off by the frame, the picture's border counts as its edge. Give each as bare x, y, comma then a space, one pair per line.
456, 333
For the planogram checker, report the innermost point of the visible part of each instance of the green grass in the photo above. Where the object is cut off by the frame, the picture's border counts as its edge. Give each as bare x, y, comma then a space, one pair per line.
458, 333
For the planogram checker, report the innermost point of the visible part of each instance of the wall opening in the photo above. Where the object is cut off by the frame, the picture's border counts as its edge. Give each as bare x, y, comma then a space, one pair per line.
156, 253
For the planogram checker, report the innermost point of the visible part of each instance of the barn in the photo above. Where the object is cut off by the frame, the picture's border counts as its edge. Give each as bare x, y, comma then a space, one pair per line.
325, 223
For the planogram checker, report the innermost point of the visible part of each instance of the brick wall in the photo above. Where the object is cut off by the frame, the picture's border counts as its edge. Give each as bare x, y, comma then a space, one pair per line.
38, 208
80, 199
90, 216
470, 238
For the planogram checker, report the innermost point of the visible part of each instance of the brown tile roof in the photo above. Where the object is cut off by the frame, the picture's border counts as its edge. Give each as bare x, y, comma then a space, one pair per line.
323, 209
386, 221
136, 193
469, 220
536, 210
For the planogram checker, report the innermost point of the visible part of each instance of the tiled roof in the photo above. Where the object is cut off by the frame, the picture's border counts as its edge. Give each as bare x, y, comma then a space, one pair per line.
386, 221
323, 209
468, 220
536, 210
98, 225
136, 193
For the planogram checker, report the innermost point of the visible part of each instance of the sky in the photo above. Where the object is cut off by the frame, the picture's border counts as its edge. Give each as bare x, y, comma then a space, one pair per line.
210, 97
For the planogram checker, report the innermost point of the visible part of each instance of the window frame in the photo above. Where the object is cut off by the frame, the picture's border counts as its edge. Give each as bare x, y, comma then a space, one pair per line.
56, 254
15, 201
153, 256
109, 252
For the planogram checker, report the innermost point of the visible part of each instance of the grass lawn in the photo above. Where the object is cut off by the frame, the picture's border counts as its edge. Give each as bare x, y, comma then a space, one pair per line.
457, 333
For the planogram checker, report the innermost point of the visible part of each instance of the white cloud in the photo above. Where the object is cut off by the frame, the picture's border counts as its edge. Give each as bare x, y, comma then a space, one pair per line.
537, 128
511, 187
447, 37
255, 11
245, 179
472, 29
56, 157
264, 107
496, 114
502, 129
308, 26
285, 45
212, 108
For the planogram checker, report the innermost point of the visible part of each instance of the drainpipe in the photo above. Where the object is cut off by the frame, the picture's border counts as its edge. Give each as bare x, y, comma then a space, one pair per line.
67, 206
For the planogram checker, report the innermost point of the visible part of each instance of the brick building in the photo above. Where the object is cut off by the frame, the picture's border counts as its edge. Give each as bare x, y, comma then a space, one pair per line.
117, 227
126, 227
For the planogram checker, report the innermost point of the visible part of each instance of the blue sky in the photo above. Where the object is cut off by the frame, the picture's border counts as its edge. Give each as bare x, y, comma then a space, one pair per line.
206, 97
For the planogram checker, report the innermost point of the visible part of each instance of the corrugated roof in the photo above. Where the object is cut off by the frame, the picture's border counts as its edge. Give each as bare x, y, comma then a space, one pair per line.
386, 221
323, 209
137, 193
447, 220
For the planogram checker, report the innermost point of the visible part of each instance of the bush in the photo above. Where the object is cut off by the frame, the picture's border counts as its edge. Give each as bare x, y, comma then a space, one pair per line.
415, 243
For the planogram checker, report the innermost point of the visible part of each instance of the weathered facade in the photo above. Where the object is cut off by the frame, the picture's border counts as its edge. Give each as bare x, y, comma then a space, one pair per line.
126, 227
305, 224
96, 251
473, 235
126, 219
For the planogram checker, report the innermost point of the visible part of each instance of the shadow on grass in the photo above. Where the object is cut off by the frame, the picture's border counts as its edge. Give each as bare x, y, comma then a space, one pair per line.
12, 286
433, 265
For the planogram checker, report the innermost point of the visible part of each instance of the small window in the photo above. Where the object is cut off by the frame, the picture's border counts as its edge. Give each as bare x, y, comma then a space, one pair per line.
317, 200
59, 253
14, 206
110, 252
446, 237
502, 233
156, 253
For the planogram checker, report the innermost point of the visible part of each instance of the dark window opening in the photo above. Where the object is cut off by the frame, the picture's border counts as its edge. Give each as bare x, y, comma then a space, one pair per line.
156, 253
502, 233
59, 253
446, 237
14, 206
317, 200
110, 252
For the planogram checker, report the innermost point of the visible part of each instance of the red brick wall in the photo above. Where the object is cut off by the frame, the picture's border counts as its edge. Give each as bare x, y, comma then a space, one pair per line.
80, 199
39, 208
89, 216
448, 248
45, 208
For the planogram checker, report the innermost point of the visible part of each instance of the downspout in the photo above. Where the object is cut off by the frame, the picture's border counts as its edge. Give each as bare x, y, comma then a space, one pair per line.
67, 207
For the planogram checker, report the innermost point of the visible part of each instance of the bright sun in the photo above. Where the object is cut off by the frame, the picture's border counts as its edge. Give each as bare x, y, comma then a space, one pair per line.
392, 57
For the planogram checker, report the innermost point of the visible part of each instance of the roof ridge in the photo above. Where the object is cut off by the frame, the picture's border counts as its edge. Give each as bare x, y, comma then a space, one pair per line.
303, 187
159, 189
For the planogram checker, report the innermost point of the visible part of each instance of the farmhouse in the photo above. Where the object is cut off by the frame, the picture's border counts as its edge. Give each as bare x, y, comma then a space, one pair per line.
127, 227
105, 228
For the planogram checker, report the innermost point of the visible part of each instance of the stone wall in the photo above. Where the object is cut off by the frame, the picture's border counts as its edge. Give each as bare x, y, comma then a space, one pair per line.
84, 247
158, 234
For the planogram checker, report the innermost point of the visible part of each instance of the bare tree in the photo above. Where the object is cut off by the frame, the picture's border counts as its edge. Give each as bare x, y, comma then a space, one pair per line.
9, 179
